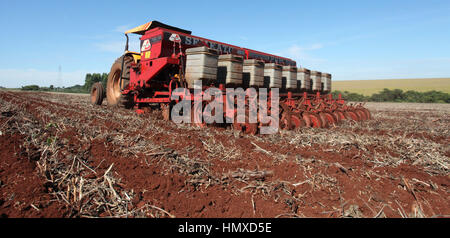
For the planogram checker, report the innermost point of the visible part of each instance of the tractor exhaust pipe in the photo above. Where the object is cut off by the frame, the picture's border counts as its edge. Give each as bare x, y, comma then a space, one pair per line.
123, 61
126, 45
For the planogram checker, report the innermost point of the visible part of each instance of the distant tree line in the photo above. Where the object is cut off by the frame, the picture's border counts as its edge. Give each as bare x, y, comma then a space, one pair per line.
387, 95
90, 79
397, 95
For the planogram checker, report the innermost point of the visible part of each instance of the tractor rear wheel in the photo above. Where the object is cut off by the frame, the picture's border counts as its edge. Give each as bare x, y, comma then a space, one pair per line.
115, 85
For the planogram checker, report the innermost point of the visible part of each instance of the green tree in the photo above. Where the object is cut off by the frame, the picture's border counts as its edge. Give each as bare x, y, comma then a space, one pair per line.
30, 88
355, 97
104, 79
88, 81
91, 79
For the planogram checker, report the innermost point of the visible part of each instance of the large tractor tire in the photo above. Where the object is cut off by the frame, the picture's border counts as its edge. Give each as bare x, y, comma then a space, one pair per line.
114, 86
97, 94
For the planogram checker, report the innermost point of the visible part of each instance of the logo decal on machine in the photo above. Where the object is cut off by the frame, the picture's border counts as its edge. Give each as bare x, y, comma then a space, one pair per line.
146, 45
175, 38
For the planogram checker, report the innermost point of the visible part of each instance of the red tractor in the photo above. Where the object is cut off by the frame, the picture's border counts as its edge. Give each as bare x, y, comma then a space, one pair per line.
147, 79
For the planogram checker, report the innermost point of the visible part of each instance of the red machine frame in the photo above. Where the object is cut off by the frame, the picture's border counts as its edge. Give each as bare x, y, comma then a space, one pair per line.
163, 49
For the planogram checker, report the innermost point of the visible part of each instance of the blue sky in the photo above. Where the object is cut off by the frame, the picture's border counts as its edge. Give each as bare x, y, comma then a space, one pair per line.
353, 40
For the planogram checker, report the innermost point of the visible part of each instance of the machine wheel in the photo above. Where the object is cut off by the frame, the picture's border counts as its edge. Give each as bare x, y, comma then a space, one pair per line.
307, 120
324, 120
114, 85
97, 94
362, 115
331, 119
315, 120
349, 115
297, 121
367, 112
341, 115
337, 116
285, 121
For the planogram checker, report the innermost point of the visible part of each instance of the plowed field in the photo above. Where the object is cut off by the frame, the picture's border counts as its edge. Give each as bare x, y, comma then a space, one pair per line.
62, 157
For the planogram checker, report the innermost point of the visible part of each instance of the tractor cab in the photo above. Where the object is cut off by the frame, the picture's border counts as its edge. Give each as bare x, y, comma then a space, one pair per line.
145, 45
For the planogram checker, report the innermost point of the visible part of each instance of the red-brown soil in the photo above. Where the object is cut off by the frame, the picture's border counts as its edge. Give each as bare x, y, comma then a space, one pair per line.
62, 157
